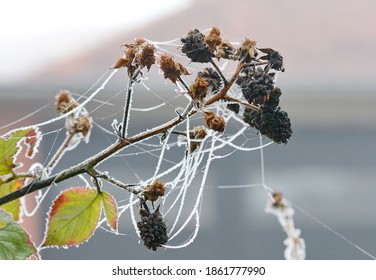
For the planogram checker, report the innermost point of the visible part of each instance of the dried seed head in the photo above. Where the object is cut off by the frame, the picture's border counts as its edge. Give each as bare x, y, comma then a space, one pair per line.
278, 200
274, 58
274, 96
171, 70
212, 77
273, 123
213, 39
138, 54
198, 133
256, 85
83, 125
199, 88
153, 229
226, 50
147, 57
155, 190
65, 102
195, 48
215, 122
247, 51
128, 60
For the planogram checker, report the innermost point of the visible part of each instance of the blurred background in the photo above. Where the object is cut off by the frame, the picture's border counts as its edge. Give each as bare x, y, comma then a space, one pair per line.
327, 169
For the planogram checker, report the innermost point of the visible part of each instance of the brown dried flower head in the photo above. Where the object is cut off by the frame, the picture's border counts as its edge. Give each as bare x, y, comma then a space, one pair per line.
65, 102
213, 39
199, 88
215, 122
155, 190
277, 196
226, 50
171, 69
83, 125
247, 50
138, 54
198, 133
147, 56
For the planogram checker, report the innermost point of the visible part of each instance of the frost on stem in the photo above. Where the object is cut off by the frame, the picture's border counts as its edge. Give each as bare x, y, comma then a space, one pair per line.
279, 206
229, 102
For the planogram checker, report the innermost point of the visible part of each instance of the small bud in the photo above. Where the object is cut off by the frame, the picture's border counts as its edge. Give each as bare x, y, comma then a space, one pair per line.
83, 125
247, 51
198, 133
226, 50
155, 190
278, 202
215, 122
65, 102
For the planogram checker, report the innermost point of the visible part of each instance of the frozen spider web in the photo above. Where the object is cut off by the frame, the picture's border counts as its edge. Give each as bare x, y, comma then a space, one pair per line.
166, 156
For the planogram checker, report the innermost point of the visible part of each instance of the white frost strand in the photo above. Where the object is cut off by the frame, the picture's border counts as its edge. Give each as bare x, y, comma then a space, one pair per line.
281, 208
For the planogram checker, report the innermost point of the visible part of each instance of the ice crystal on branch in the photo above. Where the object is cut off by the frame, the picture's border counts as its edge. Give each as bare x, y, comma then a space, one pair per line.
228, 80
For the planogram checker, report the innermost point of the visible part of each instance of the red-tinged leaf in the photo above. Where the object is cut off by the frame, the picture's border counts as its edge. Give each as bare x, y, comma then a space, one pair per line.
32, 139
110, 210
73, 217
15, 243
10, 147
12, 207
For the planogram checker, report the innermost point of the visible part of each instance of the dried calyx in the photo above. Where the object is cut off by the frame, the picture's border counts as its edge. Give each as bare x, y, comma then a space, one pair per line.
196, 135
139, 54
215, 122
64, 102
171, 70
154, 191
78, 123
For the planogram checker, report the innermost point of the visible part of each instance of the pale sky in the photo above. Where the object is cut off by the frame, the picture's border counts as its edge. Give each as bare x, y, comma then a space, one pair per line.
34, 33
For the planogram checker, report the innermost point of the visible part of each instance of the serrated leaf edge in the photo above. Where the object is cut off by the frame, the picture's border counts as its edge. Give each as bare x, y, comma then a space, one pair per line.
47, 220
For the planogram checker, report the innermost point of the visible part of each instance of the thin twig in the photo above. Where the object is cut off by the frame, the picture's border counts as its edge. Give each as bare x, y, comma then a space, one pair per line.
61, 151
130, 188
218, 71
233, 99
114, 148
128, 101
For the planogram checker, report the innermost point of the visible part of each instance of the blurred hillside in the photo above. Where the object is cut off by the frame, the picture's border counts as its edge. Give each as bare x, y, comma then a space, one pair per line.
328, 48
324, 43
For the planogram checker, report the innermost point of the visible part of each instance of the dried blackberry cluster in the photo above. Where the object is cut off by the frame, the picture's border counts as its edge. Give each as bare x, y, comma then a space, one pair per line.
274, 58
256, 85
270, 120
195, 48
273, 123
153, 229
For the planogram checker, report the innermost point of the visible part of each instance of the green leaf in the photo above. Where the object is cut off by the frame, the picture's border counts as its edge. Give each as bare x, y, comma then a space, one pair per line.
15, 243
73, 217
9, 148
12, 207
110, 210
